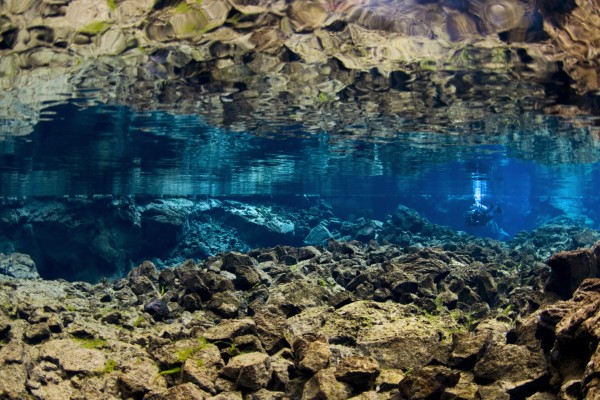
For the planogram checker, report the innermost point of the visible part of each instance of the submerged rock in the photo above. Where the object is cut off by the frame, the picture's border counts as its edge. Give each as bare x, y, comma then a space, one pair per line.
358, 372
571, 268
19, 266
429, 382
158, 309
323, 385
567, 330
516, 368
312, 353
251, 370
185, 391
318, 236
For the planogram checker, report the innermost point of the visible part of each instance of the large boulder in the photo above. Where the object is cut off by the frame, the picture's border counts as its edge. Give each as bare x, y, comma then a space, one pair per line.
12, 384
518, 369
394, 335
358, 372
312, 353
429, 382
73, 357
568, 330
19, 266
570, 268
323, 385
250, 370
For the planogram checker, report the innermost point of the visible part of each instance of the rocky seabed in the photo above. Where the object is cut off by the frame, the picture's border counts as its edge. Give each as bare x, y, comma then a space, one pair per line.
346, 320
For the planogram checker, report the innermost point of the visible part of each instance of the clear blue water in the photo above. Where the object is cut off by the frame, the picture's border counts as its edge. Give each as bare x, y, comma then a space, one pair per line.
533, 175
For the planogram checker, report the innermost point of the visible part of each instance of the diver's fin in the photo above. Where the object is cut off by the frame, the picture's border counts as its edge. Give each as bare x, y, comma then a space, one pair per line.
499, 232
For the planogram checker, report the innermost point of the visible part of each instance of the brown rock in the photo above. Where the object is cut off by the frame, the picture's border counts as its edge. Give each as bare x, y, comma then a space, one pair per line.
188, 349
225, 385
194, 282
570, 268
373, 395
389, 379
264, 394
315, 357
44, 377
227, 330
13, 352
270, 329
12, 384
467, 348
571, 389
186, 391
293, 297
141, 285
302, 342
248, 343
281, 372
72, 357
428, 382
403, 344
544, 396
465, 389
37, 333
232, 260
590, 378
323, 385
517, 367
251, 370
55, 324
228, 396
229, 304
138, 377
359, 372
196, 372
492, 392
591, 390
54, 391
4, 325
526, 331
147, 269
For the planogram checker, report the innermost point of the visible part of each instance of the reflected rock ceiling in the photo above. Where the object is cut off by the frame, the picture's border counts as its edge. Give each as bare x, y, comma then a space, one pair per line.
354, 67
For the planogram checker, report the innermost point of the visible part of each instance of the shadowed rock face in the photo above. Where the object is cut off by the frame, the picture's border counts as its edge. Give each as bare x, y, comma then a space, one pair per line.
347, 66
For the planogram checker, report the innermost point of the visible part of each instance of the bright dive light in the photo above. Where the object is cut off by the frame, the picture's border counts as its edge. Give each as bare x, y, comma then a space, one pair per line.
479, 188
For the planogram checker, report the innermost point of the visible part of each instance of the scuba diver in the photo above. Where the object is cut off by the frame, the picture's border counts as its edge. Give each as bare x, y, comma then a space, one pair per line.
480, 215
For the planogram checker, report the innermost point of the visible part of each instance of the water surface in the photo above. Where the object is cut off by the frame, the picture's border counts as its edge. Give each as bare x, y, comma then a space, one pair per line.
535, 169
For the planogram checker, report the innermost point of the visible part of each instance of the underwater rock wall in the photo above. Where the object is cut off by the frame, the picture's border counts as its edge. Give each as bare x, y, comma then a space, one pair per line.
90, 238
113, 233
439, 63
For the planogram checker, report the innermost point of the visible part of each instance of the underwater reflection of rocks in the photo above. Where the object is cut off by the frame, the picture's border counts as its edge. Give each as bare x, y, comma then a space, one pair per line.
332, 65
